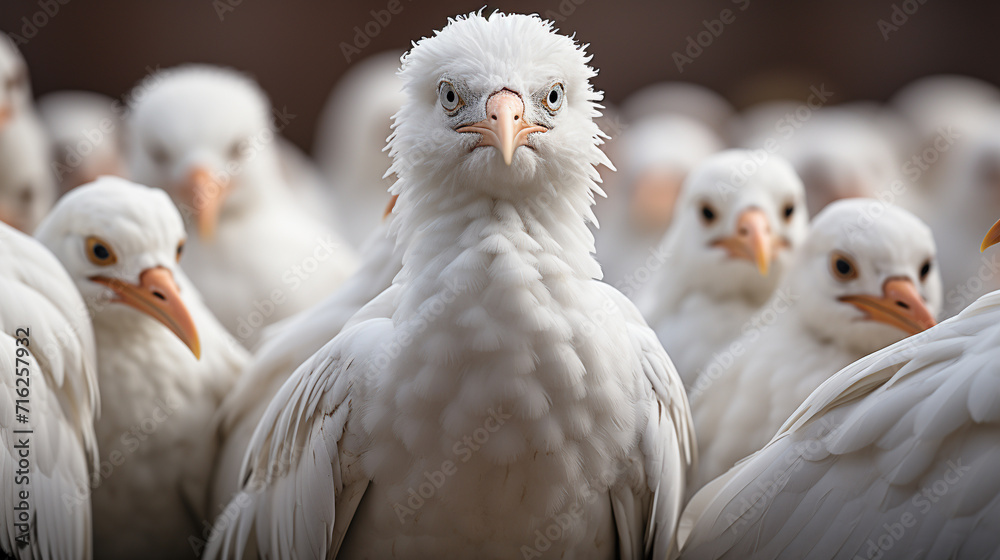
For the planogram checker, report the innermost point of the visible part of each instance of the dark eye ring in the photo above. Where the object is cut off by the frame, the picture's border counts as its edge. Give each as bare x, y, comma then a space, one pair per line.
99, 252
843, 267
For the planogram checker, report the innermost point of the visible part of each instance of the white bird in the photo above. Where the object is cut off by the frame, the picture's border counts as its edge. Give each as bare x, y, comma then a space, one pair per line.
286, 345
205, 136
680, 99
839, 152
942, 101
865, 277
496, 393
48, 375
120, 243
85, 130
962, 211
27, 183
895, 456
350, 136
735, 225
656, 156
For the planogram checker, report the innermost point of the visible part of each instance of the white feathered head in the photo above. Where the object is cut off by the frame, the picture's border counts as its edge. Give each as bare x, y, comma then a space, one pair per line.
499, 105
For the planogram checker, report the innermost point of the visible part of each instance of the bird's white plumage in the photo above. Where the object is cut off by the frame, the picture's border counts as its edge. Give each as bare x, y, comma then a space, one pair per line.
269, 258
159, 399
903, 436
36, 294
495, 324
695, 295
809, 333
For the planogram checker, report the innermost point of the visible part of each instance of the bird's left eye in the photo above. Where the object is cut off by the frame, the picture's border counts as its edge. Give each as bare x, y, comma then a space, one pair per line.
925, 270
554, 99
180, 250
843, 267
100, 252
448, 97
789, 211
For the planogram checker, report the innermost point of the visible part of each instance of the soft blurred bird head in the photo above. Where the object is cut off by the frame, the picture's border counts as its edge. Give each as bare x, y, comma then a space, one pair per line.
204, 135
27, 183
501, 105
866, 276
15, 87
121, 243
737, 220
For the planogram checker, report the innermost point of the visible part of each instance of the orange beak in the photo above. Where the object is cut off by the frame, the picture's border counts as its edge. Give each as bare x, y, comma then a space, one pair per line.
654, 198
992, 237
900, 306
206, 195
504, 127
392, 204
753, 240
11, 219
158, 296
5, 114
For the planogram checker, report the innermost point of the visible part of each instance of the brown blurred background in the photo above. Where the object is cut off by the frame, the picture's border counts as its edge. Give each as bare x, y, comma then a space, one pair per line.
293, 47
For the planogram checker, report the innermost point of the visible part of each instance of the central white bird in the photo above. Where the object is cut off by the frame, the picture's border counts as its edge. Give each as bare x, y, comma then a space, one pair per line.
205, 135
497, 401
737, 221
857, 284
121, 243
894, 457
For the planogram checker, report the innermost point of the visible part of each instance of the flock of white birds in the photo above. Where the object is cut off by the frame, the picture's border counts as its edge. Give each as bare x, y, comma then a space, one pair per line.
213, 345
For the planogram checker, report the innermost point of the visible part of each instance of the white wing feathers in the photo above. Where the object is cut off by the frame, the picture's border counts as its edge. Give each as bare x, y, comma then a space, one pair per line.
297, 474
36, 293
896, 448
666, 450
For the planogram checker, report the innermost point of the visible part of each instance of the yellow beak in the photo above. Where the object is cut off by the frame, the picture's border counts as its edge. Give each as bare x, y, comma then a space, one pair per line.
158, 296
992, 237
504, 127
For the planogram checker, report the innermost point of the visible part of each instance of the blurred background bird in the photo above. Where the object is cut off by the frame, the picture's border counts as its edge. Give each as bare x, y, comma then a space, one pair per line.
852, 288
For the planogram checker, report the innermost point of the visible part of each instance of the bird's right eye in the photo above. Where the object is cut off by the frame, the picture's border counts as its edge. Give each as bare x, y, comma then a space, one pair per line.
708, 214
180, 250
448, 97
843, 267
158, 154
100, 252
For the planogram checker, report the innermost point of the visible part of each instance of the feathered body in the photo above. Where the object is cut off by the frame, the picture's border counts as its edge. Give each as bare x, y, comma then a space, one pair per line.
495, 369
42, 313
159, 398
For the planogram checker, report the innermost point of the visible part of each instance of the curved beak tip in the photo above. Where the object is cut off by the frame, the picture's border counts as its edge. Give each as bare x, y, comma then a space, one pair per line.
992, 237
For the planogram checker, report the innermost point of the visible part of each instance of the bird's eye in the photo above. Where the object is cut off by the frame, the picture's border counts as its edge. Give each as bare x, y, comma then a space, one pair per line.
234, 150
925, 270
842, 267
180, 250
708, 214
158, 154
100, 252
449, 98
26, 196
789, 211
554, 99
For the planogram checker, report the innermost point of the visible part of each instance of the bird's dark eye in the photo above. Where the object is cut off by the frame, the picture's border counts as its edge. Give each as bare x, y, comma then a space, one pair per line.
448, 97
708, 213
234, 150
158, 154
925, 269
26, 196
180, 250
99, 252
554, 99
789, 211
843, 267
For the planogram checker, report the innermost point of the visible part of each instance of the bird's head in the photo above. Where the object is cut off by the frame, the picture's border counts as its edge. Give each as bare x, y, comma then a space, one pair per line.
500, 105
27, 184
121, 242
736, 222
15, 88
204, 135
866, 275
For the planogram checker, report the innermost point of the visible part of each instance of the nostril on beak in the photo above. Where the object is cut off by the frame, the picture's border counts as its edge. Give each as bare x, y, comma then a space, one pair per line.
494, 117
903, 304
516, 117
158, 294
